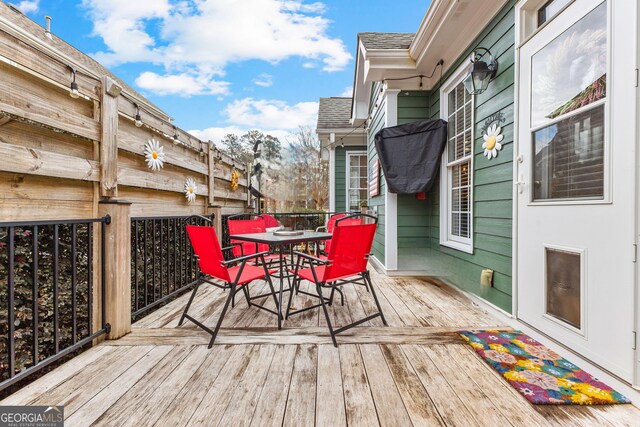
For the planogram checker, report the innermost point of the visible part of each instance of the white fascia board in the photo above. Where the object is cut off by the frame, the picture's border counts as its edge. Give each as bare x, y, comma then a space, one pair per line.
361, 90
379, 62
448, 29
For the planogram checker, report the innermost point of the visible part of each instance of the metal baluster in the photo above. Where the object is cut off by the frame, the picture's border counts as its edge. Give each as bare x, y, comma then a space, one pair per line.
103, 270
34, 290
161, 257
135, 264
73, 283
90, 273
11, 345
144, 260
175, 255
153, 258
56, 254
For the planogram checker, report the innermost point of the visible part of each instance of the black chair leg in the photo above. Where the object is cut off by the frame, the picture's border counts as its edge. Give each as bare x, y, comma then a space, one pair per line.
273, 291
186, 309
246, 294
291, 295
367, 278
326, 315
224, 310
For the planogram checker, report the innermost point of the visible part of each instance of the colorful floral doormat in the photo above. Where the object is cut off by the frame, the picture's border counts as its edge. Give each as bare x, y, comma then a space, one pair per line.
538, 373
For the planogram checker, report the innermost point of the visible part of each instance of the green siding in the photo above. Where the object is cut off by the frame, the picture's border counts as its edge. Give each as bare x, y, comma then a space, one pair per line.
378, 121
341, 175
419, 222
413, 223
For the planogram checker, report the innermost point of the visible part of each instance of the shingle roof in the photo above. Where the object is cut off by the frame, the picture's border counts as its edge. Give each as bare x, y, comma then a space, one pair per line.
386, 40
334, 113
17, 17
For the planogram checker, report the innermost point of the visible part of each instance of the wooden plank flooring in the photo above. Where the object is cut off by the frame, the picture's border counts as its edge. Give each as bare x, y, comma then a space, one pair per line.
416, 371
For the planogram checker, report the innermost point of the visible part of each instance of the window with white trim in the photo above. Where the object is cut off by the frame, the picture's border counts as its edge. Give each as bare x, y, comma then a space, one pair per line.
456, 194
357, 179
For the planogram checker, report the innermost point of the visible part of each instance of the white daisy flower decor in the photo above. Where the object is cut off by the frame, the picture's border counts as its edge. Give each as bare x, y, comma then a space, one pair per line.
492, 141
190, 189
154, 155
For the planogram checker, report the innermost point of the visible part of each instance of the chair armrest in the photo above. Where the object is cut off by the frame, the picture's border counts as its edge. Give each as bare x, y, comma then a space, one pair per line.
312, 258
233, 245
245, 258
322, 227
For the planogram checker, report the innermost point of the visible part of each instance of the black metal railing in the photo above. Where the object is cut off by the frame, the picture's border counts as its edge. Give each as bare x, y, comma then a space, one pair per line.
162, 261
46, 294
289, 220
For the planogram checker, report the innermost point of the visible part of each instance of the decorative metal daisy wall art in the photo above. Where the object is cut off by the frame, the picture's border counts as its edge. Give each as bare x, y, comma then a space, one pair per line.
190, 189
154, 155
492, 135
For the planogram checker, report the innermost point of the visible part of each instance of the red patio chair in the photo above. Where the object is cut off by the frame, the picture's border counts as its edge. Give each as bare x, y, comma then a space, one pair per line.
235, 273
346, 263
270, 221
331, 225
255, 224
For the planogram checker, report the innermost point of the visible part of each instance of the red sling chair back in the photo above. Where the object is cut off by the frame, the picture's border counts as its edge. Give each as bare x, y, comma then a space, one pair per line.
269, 221
247, 226
331, 226
349, 252
206, 246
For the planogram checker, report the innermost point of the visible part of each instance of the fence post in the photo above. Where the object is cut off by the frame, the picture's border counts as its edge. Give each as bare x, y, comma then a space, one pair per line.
117, 258
217, 220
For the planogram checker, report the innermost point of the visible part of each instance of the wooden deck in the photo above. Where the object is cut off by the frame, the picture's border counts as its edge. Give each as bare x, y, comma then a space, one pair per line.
414, 372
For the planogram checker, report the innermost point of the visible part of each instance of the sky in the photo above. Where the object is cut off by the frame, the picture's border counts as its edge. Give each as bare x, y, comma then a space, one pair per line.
228, 66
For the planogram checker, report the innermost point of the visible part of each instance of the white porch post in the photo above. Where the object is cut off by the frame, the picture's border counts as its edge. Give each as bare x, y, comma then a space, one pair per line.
391, 200
332, 178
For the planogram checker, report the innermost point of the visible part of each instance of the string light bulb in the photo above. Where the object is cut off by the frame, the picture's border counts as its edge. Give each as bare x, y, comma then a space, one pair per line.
201, 150
74, 92
176, 141
341, 143
138, 119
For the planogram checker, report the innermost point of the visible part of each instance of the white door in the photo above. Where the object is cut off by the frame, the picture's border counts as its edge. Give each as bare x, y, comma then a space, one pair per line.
576, 182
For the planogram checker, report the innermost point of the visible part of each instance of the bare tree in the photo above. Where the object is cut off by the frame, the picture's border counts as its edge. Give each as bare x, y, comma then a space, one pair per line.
311, 173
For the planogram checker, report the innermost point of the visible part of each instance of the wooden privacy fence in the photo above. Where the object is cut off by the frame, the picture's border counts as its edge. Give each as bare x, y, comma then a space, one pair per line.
64, 157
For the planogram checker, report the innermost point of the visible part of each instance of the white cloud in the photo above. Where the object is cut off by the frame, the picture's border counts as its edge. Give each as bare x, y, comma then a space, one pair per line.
29, 6
348, 91
272, 117
181, 84
216, 134
269, 114
264, 80
203, 37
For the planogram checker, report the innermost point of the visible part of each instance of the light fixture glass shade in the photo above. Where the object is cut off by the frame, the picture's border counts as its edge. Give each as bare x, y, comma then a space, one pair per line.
477, 81
138, 120
73, 90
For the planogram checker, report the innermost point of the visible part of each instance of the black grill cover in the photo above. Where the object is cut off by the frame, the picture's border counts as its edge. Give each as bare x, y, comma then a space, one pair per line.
410, 155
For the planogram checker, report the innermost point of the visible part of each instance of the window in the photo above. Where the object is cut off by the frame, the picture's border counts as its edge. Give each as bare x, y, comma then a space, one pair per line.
568, 96
456, 194
550, 9
357, 184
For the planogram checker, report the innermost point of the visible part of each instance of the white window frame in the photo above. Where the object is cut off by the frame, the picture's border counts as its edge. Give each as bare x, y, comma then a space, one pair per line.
455, 242
347, 186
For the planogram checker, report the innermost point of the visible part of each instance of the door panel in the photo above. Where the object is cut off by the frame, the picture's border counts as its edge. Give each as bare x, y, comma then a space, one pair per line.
576, 200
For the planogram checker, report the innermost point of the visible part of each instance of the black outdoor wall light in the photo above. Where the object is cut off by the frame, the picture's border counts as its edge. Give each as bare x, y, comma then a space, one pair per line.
482, 72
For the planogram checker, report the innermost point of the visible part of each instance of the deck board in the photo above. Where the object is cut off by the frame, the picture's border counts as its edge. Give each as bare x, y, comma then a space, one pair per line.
417, 371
